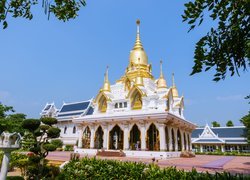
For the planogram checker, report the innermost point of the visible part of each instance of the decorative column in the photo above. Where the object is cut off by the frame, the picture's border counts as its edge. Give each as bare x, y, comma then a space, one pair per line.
5, 164
190, 142
80, 136
175, 139
182, 141
105, 136
201, 148
187, 141
222, 148
162, 136
143, 137
92, 137
170, 142
125, 137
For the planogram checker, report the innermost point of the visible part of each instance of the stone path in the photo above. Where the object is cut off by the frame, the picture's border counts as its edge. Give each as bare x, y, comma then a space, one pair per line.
219, 163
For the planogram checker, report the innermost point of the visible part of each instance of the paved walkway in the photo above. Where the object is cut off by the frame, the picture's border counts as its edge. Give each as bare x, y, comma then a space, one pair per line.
203, 163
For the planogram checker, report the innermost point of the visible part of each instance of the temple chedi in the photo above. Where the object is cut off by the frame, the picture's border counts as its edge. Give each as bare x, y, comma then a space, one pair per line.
139, 114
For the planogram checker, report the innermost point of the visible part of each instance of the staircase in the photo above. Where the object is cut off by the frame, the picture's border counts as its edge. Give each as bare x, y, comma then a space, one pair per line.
111, 153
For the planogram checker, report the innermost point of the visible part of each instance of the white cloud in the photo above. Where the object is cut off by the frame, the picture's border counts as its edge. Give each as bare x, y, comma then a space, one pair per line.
230, 98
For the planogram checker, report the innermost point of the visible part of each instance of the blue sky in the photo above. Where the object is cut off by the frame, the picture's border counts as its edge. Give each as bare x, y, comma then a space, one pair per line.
44, 61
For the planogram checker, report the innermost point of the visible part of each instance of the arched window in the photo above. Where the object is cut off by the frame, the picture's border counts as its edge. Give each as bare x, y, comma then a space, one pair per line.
136, 101
65, 129
74, 130
103, 104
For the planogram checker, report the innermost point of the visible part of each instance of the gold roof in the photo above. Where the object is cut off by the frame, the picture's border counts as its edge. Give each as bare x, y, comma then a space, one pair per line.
174, 89
161, 83
138, 59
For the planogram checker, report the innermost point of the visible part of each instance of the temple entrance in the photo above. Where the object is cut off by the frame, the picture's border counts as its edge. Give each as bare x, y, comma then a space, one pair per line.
99, 138
179, 140
116, 138
135, 141
188, 140
173, 139
86, 138
167, 138
153, 143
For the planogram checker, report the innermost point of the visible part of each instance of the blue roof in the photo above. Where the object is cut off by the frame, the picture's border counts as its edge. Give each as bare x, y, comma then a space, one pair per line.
196, 133
70, 114
232, 132
90, 111
47, 107
208, 140
75, 106
223, 132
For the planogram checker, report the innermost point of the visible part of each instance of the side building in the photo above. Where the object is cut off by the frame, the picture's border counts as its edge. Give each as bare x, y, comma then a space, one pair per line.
65, 115
224, 139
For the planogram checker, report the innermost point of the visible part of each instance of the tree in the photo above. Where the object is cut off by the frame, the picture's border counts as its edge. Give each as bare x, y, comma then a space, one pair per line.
226, 47
11, 122
63, 10
215, 124
229, 123
43, 131
246, 121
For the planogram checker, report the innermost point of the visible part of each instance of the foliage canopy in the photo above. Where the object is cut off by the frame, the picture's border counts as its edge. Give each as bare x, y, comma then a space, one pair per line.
226, 47
62, 9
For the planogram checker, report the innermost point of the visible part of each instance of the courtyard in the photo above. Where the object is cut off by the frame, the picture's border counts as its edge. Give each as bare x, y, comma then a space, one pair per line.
202, 163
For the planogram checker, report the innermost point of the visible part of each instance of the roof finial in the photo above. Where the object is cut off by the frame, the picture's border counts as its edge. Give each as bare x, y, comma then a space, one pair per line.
106, 86
138, 25
161, 73
173, 80
138, 44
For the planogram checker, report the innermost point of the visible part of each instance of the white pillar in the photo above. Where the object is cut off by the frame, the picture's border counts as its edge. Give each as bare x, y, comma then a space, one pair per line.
190, 142
5, 165
143, 137
162, 137
170, 142
175, 139
92, 137
182, 141
105, 137
222, 148
201, 148
186, 135
125, 137
80, 128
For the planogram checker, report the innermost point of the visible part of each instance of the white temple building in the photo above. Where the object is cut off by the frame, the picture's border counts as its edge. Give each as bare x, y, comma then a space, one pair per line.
139, 114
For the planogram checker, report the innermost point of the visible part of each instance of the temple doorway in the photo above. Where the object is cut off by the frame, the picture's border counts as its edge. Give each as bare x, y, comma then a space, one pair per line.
167, 138
153, 143
173, 139
185, 141
135, 141
99, 138
86, 138
116, 138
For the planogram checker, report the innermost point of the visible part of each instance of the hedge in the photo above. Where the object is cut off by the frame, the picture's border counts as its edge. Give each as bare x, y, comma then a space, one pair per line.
92, 168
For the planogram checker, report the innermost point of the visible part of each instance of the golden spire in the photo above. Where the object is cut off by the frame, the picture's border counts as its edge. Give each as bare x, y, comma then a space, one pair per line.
174, 89
106, 86
161, 83
139, 79
138, 51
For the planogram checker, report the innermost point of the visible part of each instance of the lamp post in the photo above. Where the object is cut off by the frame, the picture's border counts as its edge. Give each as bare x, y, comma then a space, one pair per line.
8, 142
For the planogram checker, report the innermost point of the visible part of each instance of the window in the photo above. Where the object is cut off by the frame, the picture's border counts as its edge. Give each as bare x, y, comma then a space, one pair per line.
120, 105
125, 104
65, 129
74, 130
116, 105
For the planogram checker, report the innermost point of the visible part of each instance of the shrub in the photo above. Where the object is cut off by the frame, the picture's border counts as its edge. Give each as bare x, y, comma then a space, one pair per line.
14, 178
31, 124
57, 142
69, 148
92, 168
